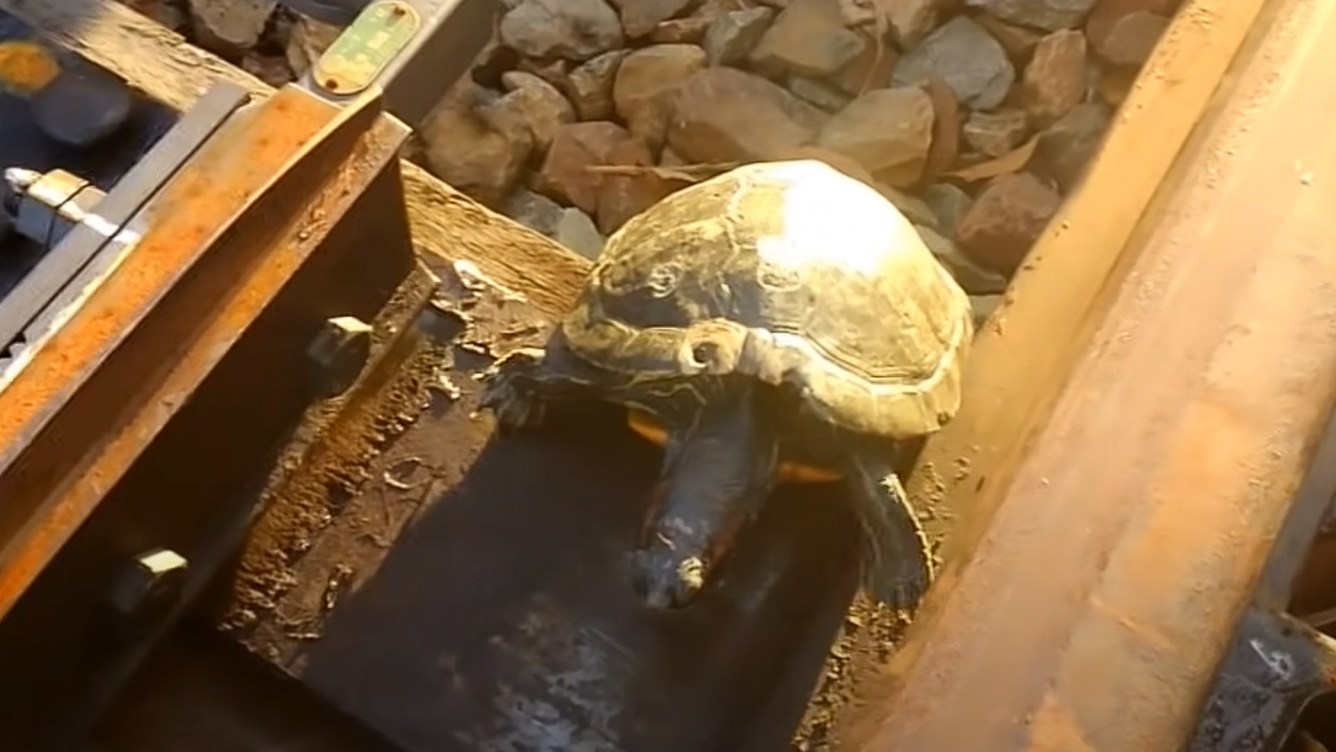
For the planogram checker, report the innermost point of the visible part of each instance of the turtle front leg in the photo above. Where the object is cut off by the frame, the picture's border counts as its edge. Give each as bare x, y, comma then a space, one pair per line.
512, 388
897, 562
519, 386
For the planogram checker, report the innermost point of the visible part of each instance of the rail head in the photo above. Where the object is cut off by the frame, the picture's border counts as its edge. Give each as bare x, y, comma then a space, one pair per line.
1139, 525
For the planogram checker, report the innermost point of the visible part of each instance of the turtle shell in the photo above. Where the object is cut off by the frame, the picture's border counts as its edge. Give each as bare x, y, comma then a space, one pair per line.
790, 272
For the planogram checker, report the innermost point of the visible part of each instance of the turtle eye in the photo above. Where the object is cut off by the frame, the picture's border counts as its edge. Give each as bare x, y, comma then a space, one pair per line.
704, 353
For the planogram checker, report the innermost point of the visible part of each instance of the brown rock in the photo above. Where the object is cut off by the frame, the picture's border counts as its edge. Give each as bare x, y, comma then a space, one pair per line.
1107, 13
1018, 41
570, 29
589, 87
624, 196
639, 17
533, 105
973, 278
870, 70
819, 93
1049, 15
945, 146
645, 84
554, 72
732, 36
915, 209
472, 156
888, 131
949, 203
232, 26
565, 175
1066, 148
1114, 84
963, 55
1132, 38
1006, 220
1055, 80
726, 115
840, 162
808, 39
912, 20
689, 30
996, 133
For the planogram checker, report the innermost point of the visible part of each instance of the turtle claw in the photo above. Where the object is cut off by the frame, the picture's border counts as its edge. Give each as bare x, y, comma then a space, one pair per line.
510, 392
898, 564
904, 589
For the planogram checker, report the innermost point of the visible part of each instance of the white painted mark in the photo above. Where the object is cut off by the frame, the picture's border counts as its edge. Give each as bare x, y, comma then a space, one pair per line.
1280, 663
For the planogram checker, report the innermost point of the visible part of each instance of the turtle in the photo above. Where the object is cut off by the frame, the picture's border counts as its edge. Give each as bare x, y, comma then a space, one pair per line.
778, 322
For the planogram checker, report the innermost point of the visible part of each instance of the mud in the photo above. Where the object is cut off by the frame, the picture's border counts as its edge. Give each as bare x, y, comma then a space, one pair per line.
325, 460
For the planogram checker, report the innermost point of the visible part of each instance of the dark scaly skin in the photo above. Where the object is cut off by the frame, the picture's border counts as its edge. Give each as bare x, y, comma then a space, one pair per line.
897, 562
717, 474
718, 469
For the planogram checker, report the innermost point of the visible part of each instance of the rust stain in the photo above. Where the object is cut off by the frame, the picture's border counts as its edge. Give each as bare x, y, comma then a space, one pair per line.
229, 174
26, 67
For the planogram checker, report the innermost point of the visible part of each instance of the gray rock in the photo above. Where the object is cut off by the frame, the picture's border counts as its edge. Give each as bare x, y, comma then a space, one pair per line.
82, 107
948, 203
230, 25
963, 55
577, 231
535, 211
998, 132
733, 35
1049, 15
570, 29
589, 87
1068, 145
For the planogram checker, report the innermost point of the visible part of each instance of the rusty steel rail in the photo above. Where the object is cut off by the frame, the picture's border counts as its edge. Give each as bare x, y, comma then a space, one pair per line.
213, 255
1141, 524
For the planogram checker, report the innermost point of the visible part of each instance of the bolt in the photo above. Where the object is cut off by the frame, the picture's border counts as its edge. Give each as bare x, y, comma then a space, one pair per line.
147, 588
338, 353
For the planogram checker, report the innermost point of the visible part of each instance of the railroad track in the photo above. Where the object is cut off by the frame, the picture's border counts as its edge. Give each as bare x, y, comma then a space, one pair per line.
1124, 506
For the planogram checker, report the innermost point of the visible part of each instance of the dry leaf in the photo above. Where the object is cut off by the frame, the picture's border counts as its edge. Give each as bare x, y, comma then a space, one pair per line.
1013, 161
692, 173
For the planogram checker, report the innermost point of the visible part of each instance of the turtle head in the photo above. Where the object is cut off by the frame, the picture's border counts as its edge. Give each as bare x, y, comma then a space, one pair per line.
716, 476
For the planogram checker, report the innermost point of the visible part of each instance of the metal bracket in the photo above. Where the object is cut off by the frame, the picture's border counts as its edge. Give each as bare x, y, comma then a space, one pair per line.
1277, 666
